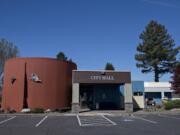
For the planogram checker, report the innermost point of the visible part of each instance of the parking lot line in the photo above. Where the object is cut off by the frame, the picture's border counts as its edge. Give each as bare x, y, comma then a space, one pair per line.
150, 121
109, 120
7, 120
98, 120
165, 116
78, 120
41, 121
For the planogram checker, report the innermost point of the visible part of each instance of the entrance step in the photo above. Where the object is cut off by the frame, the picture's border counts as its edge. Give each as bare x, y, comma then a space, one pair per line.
84, 110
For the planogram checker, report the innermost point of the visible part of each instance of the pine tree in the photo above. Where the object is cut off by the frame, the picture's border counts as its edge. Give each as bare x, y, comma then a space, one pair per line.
156, 52
109, 66
61, 56
176, 79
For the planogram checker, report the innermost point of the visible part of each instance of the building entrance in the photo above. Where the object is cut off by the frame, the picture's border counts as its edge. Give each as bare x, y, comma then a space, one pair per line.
100, 90
86, 96
100, 97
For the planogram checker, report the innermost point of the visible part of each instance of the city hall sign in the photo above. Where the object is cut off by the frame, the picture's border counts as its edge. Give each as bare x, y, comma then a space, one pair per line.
104, 77
101, 77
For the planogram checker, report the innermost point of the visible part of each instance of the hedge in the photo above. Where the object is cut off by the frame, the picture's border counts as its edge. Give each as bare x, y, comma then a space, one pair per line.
38, 110
172, 104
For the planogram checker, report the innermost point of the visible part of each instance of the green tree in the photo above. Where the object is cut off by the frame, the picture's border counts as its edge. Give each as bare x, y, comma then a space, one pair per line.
156, 52
109, 66
61, 56
7, 50
176, 79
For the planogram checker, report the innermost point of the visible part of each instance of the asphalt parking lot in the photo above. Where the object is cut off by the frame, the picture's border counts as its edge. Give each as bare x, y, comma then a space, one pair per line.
158, 124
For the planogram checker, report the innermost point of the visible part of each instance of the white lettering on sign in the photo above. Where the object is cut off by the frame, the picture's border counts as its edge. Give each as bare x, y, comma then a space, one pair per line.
96, 77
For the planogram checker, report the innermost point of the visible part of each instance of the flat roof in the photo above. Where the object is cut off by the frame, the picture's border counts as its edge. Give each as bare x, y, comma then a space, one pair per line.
98, 71
157, 84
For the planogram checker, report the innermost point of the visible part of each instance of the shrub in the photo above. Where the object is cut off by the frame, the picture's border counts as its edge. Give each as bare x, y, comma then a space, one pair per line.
172, 104
38, 110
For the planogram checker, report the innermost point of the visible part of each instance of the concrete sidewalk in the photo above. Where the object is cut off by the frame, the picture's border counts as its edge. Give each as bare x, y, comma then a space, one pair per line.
93, 113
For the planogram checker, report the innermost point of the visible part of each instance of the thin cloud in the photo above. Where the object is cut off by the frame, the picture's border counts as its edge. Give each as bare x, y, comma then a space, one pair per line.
161, 3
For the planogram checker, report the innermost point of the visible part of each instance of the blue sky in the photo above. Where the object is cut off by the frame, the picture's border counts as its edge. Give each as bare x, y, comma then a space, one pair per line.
91, 32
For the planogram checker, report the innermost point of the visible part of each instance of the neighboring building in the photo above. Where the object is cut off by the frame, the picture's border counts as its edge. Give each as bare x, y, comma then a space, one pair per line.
156, 91
175, 96
138, 94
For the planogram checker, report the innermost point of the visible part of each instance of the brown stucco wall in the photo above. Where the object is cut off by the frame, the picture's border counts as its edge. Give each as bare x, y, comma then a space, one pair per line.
12, 95
54, 92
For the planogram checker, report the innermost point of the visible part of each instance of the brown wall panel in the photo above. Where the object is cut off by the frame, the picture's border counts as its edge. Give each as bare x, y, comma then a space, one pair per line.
54, 90
13, 93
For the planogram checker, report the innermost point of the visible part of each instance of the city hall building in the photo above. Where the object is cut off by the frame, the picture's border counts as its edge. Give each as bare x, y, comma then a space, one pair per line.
53, 84
100, 90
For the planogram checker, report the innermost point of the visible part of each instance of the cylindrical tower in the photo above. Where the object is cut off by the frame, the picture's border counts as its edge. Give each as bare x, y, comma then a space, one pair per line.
37, 83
